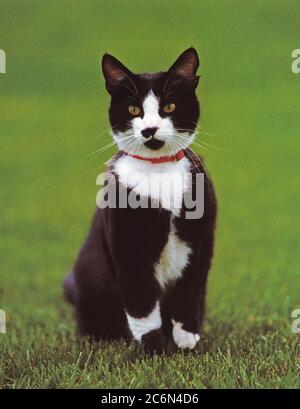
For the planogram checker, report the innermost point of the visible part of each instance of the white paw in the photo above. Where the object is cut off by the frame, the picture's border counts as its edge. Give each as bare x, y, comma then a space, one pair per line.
182, 338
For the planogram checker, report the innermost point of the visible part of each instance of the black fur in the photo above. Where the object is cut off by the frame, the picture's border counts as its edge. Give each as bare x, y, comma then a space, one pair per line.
170, 86
114, 269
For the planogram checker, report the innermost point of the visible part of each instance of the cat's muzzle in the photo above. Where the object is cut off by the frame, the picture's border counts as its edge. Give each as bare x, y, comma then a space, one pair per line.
154, 144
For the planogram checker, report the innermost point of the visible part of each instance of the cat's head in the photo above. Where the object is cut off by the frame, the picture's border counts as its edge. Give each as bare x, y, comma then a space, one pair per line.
153, 115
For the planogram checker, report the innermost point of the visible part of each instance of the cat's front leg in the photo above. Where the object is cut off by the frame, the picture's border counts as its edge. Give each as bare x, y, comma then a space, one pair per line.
189, 302
140, 295
146, 330
139, 236
183, 338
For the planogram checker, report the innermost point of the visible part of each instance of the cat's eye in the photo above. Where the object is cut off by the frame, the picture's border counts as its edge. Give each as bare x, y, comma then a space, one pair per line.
134, 110
169, 108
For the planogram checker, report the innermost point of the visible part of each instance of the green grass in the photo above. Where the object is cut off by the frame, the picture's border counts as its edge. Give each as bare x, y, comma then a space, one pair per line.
53, 106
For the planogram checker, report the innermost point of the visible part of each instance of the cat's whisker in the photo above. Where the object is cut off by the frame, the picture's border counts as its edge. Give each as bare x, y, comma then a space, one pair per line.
209, 144
203, 131
191, 132
197, 129
133, 148
177, 147
176, 144
100, 150
123, 138
138, 146
202, 163
201, 147
192, 159
129, 145
172, 146
215, 147
186, 130
195, 133
194, 162
105, 147
197, 143
107, 133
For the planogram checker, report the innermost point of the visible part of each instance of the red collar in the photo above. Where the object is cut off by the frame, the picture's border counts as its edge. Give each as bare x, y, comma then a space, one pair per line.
163, 159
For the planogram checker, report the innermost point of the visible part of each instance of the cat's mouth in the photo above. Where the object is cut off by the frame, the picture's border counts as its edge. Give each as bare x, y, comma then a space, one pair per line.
154, 144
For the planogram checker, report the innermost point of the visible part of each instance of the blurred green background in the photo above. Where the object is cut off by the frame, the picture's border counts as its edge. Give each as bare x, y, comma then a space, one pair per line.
53, 112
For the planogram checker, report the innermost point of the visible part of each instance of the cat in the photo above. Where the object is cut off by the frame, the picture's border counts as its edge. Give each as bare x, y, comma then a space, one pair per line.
141, 273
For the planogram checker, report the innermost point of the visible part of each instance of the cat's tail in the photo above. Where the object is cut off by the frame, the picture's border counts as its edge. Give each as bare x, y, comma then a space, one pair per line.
70, 288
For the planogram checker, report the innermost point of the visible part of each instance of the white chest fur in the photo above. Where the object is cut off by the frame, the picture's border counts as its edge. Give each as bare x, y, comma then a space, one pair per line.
174, 258
166, 183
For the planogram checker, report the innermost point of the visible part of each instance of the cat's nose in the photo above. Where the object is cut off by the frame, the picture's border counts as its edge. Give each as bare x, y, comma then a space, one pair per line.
147, 132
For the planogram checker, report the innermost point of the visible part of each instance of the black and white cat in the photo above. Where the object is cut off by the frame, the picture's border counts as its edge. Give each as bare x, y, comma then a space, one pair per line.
142, 272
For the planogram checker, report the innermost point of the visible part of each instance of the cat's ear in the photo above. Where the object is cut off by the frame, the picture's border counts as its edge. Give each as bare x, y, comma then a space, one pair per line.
185, 67
114, 72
